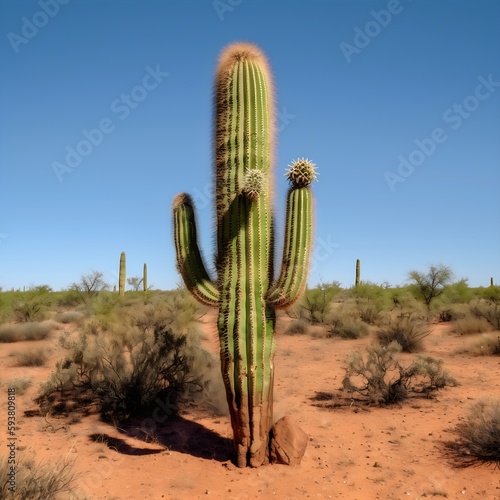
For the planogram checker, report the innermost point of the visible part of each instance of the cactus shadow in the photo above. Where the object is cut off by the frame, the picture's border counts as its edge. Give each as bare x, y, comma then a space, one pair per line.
184, 436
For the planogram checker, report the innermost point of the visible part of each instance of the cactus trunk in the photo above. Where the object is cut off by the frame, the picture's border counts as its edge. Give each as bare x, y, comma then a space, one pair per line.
244, 291
145, 277
357, 272
122, 275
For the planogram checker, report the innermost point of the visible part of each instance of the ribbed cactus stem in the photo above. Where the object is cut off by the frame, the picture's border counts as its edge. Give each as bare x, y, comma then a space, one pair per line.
145, 277
357, 272
244, 291
122, 275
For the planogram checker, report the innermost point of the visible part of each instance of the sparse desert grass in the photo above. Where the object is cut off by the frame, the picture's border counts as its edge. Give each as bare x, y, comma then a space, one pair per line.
470, 325
31, 357
381, 379
297, 327
36, 481
19, 384
487, 344
407, 332
17, 332
478, 435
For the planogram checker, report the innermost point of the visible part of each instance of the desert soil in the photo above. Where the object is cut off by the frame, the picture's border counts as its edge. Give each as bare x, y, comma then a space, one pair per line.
355, 451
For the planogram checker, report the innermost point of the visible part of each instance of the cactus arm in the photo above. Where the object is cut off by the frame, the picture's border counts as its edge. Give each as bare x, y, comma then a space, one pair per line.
298, 236
189, 260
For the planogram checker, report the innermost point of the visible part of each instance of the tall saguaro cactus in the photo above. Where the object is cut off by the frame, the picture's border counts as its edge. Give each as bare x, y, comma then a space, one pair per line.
357, 273
122, 276
245, 291
145, 277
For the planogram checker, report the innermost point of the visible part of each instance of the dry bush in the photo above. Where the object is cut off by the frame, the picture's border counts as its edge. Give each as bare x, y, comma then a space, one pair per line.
488, 344
381, 379
407, 332
478, 435
19, 332
343, 321
470, 325
31, 357
487, 309
71, 317
123, 368
297, 327
19, 384
36, 481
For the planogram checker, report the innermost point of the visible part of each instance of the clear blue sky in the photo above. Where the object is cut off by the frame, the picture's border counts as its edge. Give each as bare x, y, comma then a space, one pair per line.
359, 84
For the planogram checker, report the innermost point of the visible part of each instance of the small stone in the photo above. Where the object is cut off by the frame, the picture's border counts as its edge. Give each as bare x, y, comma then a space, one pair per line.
288, 443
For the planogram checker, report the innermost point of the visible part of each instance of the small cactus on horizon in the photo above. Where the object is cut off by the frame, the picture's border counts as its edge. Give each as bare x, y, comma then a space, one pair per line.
122, 275
357, 273
145, 277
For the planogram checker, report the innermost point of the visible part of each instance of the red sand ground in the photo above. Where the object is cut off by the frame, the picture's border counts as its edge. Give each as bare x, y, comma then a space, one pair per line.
354, 451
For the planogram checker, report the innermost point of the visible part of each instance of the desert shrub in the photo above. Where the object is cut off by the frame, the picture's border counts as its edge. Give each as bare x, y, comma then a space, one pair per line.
316, 302
470, 325
122, 369
407, 332
479, 434
71, 317
31, 357
37, 482
369, 312
297, 327
28, 310
24, 331
366, 292
487, 309
19, 384
381, 379
488, 344
348, 328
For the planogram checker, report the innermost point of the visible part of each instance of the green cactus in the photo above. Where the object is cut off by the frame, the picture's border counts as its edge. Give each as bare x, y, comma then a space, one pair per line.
357, 272
245, 291
122, 275
145, 277
491, 282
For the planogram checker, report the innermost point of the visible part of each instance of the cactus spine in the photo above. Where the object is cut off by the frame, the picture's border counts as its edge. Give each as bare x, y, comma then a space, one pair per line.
357, 272
122, 275
245, 291
145, 277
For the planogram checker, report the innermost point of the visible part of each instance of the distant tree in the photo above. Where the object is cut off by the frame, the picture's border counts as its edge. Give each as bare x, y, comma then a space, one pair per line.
431, 284
90, 285
135, 282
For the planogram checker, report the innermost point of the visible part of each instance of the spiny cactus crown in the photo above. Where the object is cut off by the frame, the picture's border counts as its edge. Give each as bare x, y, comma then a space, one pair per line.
253, 183
301, 172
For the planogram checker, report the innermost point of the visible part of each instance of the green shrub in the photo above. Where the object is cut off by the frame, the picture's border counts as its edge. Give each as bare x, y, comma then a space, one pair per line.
24, 331
381, 379
478, 435
37, 482
316, 302
408, 333
348, 328
297, 327
71, 317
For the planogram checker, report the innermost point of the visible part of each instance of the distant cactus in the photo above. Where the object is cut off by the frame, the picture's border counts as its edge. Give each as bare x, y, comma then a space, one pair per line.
245, 291
122, 275
491, 282
357, 272
145, 277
